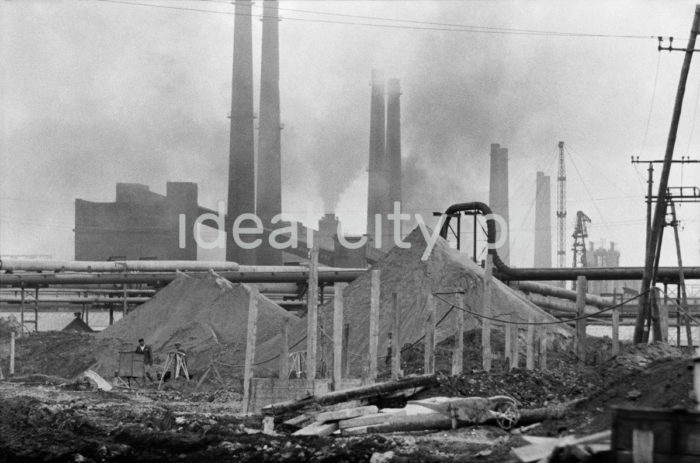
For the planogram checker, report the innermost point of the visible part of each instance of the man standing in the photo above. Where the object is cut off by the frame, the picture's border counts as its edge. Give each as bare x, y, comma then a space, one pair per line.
142, 348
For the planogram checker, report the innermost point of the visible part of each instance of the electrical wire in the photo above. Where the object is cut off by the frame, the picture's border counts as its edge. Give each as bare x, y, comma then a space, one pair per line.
442, 27
558, 322
651, 105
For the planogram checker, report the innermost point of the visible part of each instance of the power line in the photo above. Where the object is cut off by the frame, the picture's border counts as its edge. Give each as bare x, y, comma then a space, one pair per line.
430, 26
651, 105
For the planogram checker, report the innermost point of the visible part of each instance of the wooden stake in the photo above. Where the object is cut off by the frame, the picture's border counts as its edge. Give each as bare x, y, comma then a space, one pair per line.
395, 336
284, 350
581, 287
457, 352
345, 362
374, 297
543, 347
312, 314
514, 341
125, 307
615, 331
338, 335
530, 344
643, 445
486, 312
12, 353
21, 313
250, 346
508, 348
429, 364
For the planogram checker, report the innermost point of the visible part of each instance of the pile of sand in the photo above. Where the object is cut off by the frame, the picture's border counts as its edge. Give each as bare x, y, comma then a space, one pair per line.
403, 272
208, 315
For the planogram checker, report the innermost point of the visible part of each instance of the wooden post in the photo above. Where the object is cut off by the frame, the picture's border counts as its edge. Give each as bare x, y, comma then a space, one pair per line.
250, 346
581, 288
615, 331
21, 313
663, 319
429, 364
530, 344
543, 347
12, 352
486, 312
111, 314
36, 309
312, 314
345, 362
338, 335
395, 336
508, 348
643, 445
374, 297
125, 306
457, 352
284, 350
514, 341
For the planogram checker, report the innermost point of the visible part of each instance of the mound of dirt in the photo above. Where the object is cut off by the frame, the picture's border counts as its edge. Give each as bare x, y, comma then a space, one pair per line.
208, 315
404, 272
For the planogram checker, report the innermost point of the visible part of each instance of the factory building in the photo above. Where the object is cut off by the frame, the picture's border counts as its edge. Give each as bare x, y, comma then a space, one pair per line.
139, 224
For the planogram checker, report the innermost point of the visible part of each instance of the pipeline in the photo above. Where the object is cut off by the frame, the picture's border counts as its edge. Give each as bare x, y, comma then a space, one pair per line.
16, 265
506, 273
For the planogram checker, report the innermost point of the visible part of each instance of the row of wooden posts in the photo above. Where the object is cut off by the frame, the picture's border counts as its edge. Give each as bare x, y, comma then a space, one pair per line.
340, 334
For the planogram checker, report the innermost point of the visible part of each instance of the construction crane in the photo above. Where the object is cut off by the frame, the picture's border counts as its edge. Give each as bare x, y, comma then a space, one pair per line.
561, 209
580, 235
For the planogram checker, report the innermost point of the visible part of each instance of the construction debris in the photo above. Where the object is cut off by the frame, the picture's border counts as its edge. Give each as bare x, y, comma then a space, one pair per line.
558, 448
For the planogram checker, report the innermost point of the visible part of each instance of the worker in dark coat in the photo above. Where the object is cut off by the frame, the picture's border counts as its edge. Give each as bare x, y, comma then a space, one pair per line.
142, 348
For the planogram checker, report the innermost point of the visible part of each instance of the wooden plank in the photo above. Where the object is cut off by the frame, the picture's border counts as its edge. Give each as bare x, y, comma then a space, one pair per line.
543, 346
375, 285
347, 413
395, 337
250, 346
514, 341
663, 319
580, 339
429, 359
397, 423
312, 314
486, 312
284, 350
338, 335
530, 344
346, 340
643, 445
615, 331
317, 429
458, 350
12, 352
361, 392
508, 348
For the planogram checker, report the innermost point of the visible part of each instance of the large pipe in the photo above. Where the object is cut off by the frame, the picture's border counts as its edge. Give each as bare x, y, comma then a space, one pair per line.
269, 183
17, 265
75, 300
504, 272
246, 274
562, 293
241, 174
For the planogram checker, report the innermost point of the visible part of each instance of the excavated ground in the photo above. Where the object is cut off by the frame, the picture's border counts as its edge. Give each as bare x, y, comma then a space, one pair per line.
47, 418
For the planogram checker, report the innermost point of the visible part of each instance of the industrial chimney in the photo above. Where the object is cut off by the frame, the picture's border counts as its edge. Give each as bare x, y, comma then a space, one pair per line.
543, 224
393, 139
498, 195
241, 177
378, 186
269, 179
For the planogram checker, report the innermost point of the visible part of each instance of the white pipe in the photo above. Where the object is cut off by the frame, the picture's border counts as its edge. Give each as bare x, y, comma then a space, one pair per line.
15, 265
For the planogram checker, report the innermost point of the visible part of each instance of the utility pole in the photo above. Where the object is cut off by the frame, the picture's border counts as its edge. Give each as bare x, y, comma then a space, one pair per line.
682, 293
653, 245
561, 209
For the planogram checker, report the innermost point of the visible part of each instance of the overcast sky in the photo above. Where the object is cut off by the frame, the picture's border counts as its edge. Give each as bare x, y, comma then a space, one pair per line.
95, 93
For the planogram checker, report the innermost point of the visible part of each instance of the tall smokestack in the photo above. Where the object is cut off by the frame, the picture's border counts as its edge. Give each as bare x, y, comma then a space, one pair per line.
269, 184
241, 175
393, 139
543, 224
378, 187
498, 195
